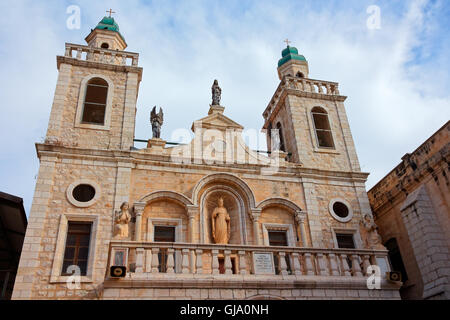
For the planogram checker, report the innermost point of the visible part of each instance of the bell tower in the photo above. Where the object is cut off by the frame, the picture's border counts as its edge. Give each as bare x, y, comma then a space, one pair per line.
95, 98
310, 117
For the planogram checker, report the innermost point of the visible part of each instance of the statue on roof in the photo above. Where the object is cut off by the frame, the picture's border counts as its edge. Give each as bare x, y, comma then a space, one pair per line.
216, 93
156, 119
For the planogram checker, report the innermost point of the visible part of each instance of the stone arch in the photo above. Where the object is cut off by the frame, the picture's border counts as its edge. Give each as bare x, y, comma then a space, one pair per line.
239, 230
168, 195
226, 178
244, 200
290, 218
281, 202
179, 214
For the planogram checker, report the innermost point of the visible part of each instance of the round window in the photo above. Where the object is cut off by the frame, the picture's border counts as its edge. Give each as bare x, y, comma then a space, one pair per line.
83, 193
340, 210
105, 45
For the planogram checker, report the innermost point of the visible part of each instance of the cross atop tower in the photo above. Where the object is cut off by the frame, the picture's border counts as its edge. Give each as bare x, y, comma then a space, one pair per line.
287, 42
110, 12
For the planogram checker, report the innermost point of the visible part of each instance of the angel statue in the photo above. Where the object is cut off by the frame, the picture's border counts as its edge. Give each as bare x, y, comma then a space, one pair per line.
373, 239
121, 220
156, 119
216, 93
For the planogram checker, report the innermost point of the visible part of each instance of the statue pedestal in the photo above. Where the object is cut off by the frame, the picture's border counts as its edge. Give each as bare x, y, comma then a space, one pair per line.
156, 144
278, 155
215, 109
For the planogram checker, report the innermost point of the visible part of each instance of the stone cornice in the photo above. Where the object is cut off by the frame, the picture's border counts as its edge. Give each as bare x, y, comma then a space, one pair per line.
284, 90
98, 65
136, 159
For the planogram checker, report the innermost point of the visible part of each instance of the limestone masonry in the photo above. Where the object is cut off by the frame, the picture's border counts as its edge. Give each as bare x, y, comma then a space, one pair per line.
109, 221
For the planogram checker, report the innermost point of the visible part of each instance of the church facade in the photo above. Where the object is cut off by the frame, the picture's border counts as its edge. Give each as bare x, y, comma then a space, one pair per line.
212, 219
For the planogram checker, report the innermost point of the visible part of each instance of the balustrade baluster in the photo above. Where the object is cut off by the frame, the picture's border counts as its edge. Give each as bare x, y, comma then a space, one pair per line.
333, 264
227, 254
170, 261
345, 266
356, 268
199, 261
215, 262
139, 260
79, 51
242, 263
296, 264
155, 260
309, 266
323, 266
185, 261
282, 263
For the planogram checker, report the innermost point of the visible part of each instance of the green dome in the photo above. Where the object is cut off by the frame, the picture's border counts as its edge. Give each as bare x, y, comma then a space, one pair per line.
108, 23
290, 53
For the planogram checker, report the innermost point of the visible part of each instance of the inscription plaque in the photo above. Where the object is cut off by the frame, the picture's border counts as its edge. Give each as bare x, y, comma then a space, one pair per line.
263, 263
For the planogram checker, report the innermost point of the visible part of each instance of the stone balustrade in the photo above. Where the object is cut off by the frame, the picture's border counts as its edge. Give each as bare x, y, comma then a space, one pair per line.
305, 86
145, 258
107, 56
311, 85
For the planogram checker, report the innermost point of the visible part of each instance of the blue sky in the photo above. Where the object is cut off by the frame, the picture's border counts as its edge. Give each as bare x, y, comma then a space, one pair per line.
396, 77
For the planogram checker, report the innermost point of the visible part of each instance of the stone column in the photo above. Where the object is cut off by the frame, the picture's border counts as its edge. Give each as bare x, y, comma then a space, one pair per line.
138, 210
300, 218
192, 212
255, 219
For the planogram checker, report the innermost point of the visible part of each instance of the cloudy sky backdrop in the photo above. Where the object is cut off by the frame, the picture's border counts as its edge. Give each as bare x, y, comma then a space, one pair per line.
396, 77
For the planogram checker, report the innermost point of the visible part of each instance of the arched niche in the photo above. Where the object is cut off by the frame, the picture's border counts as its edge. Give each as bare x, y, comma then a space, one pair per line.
238, 200
236, 210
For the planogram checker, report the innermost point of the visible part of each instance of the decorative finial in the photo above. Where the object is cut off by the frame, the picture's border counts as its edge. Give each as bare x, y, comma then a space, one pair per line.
110, 12
216, 93
156, 119
287, 42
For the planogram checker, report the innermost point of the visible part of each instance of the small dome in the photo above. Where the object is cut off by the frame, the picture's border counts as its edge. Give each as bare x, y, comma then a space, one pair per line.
108, 23
290, 53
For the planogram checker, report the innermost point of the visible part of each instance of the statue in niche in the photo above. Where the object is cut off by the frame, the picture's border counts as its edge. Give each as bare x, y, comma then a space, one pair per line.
121, 220
373, 239
220, 224
216, 93
156, 119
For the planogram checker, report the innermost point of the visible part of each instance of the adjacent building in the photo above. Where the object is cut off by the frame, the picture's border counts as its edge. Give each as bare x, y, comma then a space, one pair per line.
411, 208
13, 223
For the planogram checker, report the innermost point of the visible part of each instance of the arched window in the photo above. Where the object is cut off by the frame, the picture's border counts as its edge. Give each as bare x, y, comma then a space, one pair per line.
94, 106
299, 75
322, 128
280, 132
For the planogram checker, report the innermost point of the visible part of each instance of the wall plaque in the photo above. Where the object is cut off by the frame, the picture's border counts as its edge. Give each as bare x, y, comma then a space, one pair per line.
263, 263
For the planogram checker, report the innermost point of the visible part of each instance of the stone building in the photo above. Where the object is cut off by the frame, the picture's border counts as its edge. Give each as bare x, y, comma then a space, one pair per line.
212, 219
411, 208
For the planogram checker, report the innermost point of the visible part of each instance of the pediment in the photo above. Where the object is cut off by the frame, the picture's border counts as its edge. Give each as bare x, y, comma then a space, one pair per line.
216, 121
